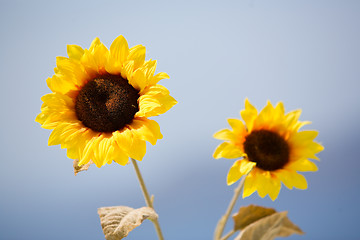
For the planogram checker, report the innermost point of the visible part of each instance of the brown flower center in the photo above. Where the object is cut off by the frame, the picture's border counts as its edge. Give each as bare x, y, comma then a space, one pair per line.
107, 103
269, 150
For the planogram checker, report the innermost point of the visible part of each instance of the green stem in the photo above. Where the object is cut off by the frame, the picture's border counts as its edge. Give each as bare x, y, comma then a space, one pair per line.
222, 222
148, 200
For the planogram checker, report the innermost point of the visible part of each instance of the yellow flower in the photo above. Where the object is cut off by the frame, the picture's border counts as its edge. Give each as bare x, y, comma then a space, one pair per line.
272, 147
101, 100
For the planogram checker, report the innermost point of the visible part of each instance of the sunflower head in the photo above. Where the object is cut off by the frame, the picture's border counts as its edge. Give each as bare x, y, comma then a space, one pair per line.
101, 100
272, 148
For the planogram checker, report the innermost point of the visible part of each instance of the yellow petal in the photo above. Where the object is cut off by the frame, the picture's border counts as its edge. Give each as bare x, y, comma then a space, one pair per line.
124, 139
292, 118
56, 109
72, 70
153, 105
127, 70
58, 101
90, 64
249, 115
112, 66
266, 183
149, 68
137, 54
266, 116
234, 173
309, 150
75, 52
303, 136
155, 90
291, 179
76, 147
40, 118
146, 129
99, 149
138, 149
239, 169
88, 151
138, 80
73, 131
298, 125
303, 146
302, 165
250, 184
237, 125
155, 79
280, 109
246, 166
239, 131
100, 55
120, 156
61, 84
63, 133
53, 119
119, 49
130, 143
55, 136
306, 151
225, 134
276, 186
94, 44
316, 148
261, 183
227, 150
105, 153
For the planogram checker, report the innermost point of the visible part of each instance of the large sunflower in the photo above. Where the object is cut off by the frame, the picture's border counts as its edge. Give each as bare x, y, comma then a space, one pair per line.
272, 149
101, 100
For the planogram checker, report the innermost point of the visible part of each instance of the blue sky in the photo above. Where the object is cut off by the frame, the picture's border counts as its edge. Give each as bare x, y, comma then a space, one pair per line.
304, 53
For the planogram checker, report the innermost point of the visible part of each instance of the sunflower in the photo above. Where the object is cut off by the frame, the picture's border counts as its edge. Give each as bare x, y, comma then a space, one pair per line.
101, 100
272, 149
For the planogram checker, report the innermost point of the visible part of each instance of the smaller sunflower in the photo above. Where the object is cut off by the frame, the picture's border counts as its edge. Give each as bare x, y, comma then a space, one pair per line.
272, 149
101, 100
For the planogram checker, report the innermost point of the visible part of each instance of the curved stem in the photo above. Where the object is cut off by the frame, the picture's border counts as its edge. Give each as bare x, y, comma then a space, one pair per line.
222, 222
229, 234
148, 200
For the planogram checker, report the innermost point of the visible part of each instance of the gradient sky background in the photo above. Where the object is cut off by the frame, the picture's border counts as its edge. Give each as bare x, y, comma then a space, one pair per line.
304, 53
